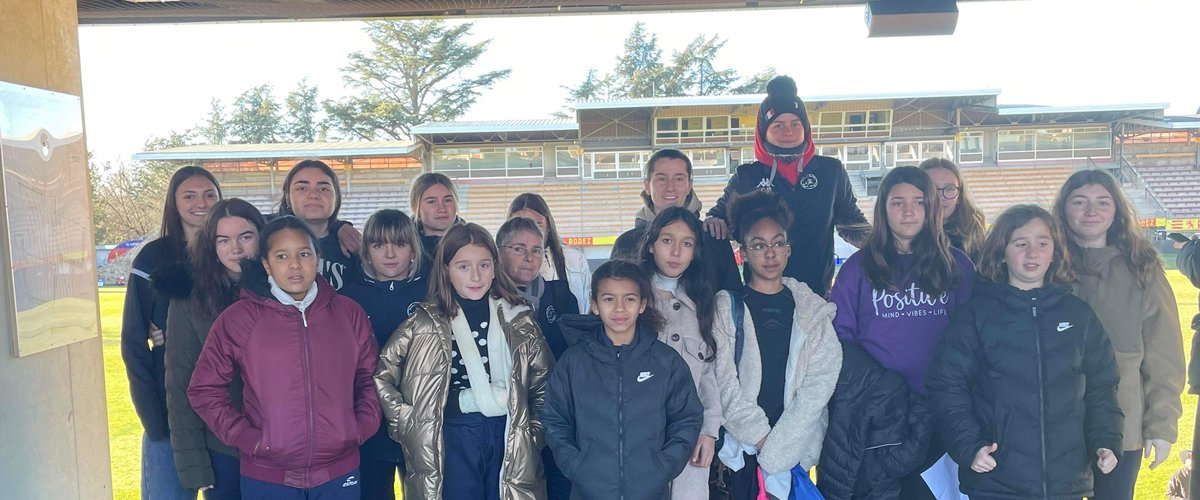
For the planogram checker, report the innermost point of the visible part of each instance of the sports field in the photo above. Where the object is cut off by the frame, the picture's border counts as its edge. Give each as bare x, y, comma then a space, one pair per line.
125, 431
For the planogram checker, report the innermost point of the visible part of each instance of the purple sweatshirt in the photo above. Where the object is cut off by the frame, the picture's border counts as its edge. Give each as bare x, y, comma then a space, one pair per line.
899, 328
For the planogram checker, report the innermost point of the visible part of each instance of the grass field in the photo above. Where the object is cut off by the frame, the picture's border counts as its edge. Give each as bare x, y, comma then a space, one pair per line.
125, 431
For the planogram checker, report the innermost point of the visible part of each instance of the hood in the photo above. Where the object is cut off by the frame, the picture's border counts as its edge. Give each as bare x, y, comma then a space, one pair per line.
173, 280
643, 217
1096, 261
255, 287
1045, 296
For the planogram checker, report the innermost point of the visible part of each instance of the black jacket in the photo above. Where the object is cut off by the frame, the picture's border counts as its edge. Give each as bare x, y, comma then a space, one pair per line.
144, 309
387, 304
879, 431
1034, 372
718, 256
821, 199
556, 302
1188, 262
622, 421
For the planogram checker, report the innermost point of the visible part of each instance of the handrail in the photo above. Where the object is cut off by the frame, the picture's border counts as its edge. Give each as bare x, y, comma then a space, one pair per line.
1140, 182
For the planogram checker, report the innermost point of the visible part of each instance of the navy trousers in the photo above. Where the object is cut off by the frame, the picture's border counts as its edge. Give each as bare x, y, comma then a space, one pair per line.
1118, 484
228, 482
379, 478
344, 487
474, 454
558, 487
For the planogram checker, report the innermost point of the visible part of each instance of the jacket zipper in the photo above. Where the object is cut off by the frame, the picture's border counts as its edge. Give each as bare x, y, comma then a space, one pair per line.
620, 425
308, 394
1037, 339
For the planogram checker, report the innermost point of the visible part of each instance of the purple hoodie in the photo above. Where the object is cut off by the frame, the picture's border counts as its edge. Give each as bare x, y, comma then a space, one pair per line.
900, 329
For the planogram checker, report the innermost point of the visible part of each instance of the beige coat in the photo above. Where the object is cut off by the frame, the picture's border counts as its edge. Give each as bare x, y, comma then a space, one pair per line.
413, 380
1143, 325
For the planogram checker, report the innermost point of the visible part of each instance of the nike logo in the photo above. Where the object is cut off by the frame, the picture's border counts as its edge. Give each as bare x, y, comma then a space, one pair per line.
1064, 326
644, 376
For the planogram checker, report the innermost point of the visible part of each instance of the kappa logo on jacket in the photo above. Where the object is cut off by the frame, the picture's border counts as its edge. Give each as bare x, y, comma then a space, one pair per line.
644, 376
1064, 326
764, 185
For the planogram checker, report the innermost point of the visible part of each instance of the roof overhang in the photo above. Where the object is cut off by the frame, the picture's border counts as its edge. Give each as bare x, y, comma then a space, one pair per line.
749, 99
480, 127
1103, 108
244, 152
1169, 123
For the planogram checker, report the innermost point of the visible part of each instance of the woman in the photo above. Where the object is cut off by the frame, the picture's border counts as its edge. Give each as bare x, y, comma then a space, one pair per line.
434, 204
895, 295
199, 293
190, 194
961, 219
464, 379
311, 192
306, 356
578, 273
1121, 277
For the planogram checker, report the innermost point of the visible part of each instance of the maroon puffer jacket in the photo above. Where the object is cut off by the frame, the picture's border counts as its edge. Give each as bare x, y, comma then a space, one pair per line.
309, 395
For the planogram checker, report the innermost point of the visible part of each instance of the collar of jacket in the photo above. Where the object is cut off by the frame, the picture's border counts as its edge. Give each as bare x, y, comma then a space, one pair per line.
1044, 296
678, 294
643, 217
1098, 261
391, 285
257, 288
173, 280
587, 329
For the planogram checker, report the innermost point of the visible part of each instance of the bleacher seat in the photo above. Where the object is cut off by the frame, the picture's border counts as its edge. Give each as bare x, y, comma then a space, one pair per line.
1177, 187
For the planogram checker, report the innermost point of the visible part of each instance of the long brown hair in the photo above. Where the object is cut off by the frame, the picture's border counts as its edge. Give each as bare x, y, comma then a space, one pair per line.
421, 184
991, 263
967, 220
535, 203
212, 286
171, 230
285, 204
441, 290
696, 280
1125, 234
935, 270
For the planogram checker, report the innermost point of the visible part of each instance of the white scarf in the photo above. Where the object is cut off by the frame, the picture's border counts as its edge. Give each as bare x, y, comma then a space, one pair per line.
478, 398
287, 300
664, 283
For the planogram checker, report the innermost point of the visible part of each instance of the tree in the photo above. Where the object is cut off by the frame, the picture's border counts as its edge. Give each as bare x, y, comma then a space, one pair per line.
592, 88
301, 122
255, 118
412, 75
214, 128
692, 70
127, 198
639, 71
756, 84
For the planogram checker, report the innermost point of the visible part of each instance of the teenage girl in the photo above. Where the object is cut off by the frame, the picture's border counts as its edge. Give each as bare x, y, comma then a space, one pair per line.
311, 193
962, 220
434, 204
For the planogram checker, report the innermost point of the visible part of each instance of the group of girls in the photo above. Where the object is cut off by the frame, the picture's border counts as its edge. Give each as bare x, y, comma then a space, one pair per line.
462, 362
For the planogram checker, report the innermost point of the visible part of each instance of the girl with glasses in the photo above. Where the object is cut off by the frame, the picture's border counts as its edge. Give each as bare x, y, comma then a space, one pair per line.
962, 220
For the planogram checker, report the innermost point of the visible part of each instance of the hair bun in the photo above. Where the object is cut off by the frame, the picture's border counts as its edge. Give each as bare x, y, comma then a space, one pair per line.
782, 87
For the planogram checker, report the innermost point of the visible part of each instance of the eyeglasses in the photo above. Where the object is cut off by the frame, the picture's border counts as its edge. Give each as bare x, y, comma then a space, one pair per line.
762, 247
949, 192
522, 251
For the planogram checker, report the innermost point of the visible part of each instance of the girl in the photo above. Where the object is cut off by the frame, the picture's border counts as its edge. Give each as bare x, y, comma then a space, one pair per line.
305, 355
622, 414
777, 358
389, 290
578, 274
190, 194
521, 244
1121, 277
312, 193
962, 221
671, 252
434, 203
463, 380
1024, 382
895, 295
198, 295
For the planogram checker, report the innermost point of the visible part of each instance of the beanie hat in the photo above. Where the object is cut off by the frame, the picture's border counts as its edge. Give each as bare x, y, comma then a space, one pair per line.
782, 98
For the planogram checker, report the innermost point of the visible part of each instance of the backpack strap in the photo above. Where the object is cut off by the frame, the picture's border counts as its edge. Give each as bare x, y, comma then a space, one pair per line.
739, 337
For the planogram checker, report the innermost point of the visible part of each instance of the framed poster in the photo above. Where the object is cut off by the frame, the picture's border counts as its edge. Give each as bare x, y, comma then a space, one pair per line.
47, 253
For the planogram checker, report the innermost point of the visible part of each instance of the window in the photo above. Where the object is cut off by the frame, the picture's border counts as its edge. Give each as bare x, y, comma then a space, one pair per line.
1054, 144
566, 161
970, 147
701, 130
708, 162
853, 156
499, 162
849, 124
1158, 137
900, 154
623, 165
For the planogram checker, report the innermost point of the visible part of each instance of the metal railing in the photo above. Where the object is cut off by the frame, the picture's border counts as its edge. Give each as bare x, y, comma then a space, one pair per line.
1129, 175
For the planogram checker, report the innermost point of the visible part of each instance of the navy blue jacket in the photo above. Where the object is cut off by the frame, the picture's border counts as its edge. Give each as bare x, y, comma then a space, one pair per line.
1188, 262
821, 199
387, 304
718, 256
556, 302
1033, 372
622, 421
143, 363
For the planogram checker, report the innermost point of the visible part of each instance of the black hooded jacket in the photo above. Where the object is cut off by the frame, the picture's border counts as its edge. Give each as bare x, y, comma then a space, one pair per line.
621, 421
1033, 372
879, 431
1188, 262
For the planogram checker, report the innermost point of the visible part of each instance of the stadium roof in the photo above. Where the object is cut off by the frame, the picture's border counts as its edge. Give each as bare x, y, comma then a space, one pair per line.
1100, 108
735, 100
494, 126
1188, 122
281, 151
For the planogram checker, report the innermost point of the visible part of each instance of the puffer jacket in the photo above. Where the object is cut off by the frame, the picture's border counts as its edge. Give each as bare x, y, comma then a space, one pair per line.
309, 400
1189, 264
1033, 372
189, 323
879, 431
814, 361
1143, 325
622, 421
413, 380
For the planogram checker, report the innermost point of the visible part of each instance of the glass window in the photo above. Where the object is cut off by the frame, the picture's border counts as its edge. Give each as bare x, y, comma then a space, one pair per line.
566, 161
604, 165
856, 118
667, 124
970, 147
830, 118
718, 122
708, 162
878, 117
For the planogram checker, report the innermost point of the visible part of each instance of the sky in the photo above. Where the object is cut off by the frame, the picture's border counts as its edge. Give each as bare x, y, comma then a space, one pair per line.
141, 81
